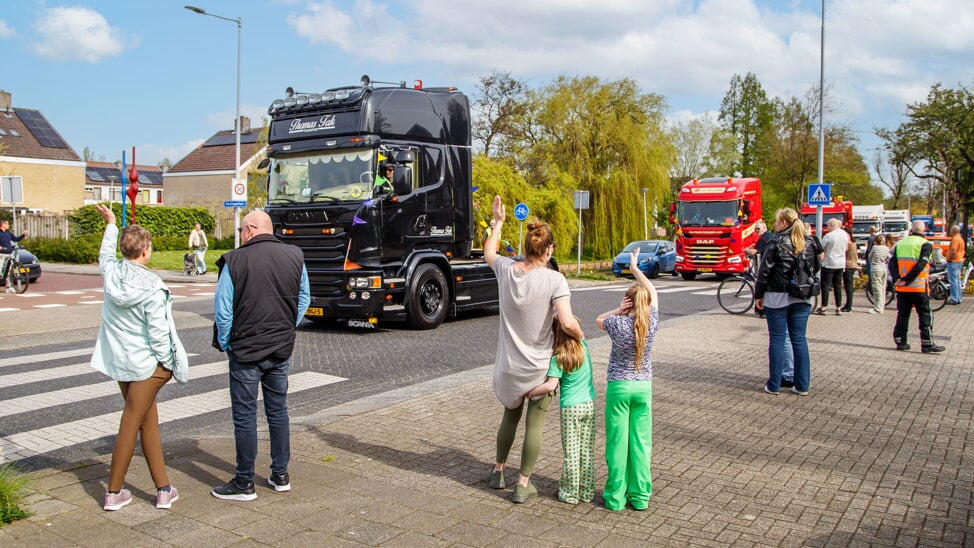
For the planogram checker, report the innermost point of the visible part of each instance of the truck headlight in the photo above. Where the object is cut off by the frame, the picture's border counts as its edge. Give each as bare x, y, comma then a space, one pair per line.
365, 282
679, 258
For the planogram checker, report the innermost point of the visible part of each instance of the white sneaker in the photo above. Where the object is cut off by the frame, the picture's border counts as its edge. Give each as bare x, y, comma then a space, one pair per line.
10, 290
872, 311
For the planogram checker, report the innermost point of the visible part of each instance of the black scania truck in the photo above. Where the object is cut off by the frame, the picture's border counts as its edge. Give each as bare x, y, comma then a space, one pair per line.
379, 245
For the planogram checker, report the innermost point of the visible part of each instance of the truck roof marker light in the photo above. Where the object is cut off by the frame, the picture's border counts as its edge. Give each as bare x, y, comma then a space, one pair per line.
328, 96
341, 94
290, 102
417, 84
314, 98
696, 181
301, 100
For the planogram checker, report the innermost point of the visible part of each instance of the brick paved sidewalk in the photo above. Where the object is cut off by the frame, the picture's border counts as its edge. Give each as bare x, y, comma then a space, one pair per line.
879, 453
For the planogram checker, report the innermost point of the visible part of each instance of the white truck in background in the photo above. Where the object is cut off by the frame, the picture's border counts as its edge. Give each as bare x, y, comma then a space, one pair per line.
865, 217
896, 223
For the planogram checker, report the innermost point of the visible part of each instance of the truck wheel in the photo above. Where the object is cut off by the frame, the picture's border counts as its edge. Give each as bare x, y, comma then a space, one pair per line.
429, 297
688, 275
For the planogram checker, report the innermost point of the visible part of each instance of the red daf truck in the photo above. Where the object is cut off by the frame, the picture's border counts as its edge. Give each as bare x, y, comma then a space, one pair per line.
714, 221
837, 209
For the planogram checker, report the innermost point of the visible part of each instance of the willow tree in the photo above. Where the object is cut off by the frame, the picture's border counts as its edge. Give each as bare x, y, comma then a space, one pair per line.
606, 137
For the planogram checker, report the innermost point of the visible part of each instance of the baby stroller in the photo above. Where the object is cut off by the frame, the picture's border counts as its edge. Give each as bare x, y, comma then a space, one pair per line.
189, 264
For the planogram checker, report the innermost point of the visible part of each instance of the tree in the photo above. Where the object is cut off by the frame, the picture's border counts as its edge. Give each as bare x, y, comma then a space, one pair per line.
792, 146
584, 133
937, 142
691, 141
746, 114
499, 100
892, 175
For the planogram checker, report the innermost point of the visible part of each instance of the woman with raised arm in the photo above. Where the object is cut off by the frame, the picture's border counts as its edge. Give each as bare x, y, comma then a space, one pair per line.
530, 295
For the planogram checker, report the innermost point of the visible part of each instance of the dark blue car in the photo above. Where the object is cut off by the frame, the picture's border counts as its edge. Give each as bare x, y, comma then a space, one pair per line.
655, 256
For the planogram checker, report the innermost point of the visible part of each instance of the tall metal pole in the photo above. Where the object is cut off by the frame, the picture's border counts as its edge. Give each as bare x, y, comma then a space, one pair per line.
821, 122
236, 122
645, 223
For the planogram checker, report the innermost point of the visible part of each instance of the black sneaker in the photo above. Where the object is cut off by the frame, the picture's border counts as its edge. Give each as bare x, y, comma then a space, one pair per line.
903, 346
234, 491
280, 482
932, 348
785, 383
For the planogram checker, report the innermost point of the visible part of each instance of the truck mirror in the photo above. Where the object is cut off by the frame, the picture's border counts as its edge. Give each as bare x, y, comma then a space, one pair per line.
405, 157
400, 181
264, 163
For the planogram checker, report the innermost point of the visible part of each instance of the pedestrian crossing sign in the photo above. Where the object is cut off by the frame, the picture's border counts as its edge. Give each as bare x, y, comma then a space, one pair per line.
819, 194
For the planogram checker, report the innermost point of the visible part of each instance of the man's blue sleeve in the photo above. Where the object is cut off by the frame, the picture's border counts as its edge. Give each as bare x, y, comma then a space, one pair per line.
304, 296
223, 308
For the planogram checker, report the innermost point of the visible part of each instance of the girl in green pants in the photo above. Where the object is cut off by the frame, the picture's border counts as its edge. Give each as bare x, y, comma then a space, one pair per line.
629, 394
571, 367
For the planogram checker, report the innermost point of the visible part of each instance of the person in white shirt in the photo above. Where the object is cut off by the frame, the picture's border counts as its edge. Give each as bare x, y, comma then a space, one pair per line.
835, 242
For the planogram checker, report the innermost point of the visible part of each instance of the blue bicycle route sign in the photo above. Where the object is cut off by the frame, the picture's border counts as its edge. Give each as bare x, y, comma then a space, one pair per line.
521, 211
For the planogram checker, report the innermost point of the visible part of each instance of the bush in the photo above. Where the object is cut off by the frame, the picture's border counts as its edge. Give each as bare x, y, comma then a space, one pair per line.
12, 488
82, 249
160, 221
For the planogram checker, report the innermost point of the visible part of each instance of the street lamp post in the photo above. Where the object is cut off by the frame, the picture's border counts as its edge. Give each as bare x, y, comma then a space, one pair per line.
645, 222
236, 122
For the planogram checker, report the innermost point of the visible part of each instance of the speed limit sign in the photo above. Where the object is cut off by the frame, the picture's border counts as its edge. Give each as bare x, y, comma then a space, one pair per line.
238, 190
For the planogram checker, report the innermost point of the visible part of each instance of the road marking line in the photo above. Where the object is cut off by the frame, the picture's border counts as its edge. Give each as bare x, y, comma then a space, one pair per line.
47, 356
52, 438
706, 293
9, 309
91, 302
49, 305
75, 394
27, 295
69, 292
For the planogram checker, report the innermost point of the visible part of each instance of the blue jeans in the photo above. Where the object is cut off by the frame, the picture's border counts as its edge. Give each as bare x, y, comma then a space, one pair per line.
788, 371
271, 375
953, 277
788, 323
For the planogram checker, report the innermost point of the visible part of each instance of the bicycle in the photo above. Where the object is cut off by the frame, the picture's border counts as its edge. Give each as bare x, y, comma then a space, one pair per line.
736, 293
890, 291
15, 274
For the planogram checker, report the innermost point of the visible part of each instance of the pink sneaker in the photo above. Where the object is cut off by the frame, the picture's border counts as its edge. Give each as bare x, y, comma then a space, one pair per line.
116, 501
164, 499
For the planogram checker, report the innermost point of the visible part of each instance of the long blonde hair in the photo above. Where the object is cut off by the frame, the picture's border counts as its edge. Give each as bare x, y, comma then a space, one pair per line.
642, 300
789, 216
567, 350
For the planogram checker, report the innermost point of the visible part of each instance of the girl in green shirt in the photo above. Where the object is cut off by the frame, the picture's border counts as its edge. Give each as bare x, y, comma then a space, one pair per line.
571, 367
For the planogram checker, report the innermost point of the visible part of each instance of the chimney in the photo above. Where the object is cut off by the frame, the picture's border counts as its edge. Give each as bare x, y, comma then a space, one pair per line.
244, 124
5, 100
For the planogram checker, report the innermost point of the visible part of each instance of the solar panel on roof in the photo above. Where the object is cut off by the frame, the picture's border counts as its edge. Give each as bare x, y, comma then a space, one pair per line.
41, 129
231, 139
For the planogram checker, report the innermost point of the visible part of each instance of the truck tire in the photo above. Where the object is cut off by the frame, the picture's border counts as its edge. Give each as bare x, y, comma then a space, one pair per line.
688, 275
429, 297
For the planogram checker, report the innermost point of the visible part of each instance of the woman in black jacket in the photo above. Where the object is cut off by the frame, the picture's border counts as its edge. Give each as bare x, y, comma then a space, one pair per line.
785, 313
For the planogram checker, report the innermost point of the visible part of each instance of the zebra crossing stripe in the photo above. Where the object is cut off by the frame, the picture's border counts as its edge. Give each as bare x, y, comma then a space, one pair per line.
49, 356
52, 438
88, 392
53, 373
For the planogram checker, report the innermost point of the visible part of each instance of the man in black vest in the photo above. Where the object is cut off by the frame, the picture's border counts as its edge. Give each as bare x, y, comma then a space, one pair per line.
261, 296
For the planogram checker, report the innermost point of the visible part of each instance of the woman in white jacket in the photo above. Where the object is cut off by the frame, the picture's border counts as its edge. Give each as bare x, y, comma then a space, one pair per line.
138, 347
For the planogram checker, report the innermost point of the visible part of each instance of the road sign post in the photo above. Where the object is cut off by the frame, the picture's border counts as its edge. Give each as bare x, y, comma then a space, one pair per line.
521, 212
12, 192
581, 202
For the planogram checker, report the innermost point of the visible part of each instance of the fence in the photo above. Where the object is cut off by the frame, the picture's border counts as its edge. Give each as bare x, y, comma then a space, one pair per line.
60, 226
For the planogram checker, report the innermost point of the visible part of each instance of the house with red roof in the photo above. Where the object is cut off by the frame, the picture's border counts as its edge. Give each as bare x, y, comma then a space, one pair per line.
52, 175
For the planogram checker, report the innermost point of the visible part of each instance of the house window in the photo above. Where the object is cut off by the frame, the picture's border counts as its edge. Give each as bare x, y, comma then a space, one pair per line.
145, 197
96, 193
159, 196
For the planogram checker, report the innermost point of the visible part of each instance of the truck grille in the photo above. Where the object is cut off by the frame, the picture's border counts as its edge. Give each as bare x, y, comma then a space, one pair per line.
324, 257
708, 254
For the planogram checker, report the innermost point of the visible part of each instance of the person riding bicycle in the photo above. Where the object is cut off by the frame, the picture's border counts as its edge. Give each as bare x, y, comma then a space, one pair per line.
7, 248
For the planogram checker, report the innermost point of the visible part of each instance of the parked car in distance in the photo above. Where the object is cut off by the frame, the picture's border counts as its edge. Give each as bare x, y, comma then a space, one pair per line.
655, 256
28, 259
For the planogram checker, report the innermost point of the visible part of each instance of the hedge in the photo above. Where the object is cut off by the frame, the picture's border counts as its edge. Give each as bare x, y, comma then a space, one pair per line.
159, 220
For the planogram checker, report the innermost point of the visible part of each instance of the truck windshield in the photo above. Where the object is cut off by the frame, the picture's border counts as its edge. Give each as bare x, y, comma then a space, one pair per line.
810, 218
896, 226
708, 213
333, 177
862, 227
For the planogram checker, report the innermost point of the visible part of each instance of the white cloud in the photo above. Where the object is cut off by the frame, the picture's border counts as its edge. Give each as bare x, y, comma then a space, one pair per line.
6, 31
76, 33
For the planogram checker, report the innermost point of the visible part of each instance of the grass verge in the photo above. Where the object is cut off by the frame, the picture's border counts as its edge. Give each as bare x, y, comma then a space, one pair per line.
13, 486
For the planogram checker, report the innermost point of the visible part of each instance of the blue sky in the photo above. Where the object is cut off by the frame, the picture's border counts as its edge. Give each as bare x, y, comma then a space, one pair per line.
110, 74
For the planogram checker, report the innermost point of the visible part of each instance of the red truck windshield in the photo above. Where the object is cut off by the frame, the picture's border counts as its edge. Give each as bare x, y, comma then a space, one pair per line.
708, 213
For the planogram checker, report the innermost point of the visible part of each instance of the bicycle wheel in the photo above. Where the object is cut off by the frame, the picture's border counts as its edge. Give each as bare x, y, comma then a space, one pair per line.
735, 295
890, 291
939, 292
18, 277
869, 294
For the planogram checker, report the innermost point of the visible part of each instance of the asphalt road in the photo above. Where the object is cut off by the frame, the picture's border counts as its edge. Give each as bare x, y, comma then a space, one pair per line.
346, 363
